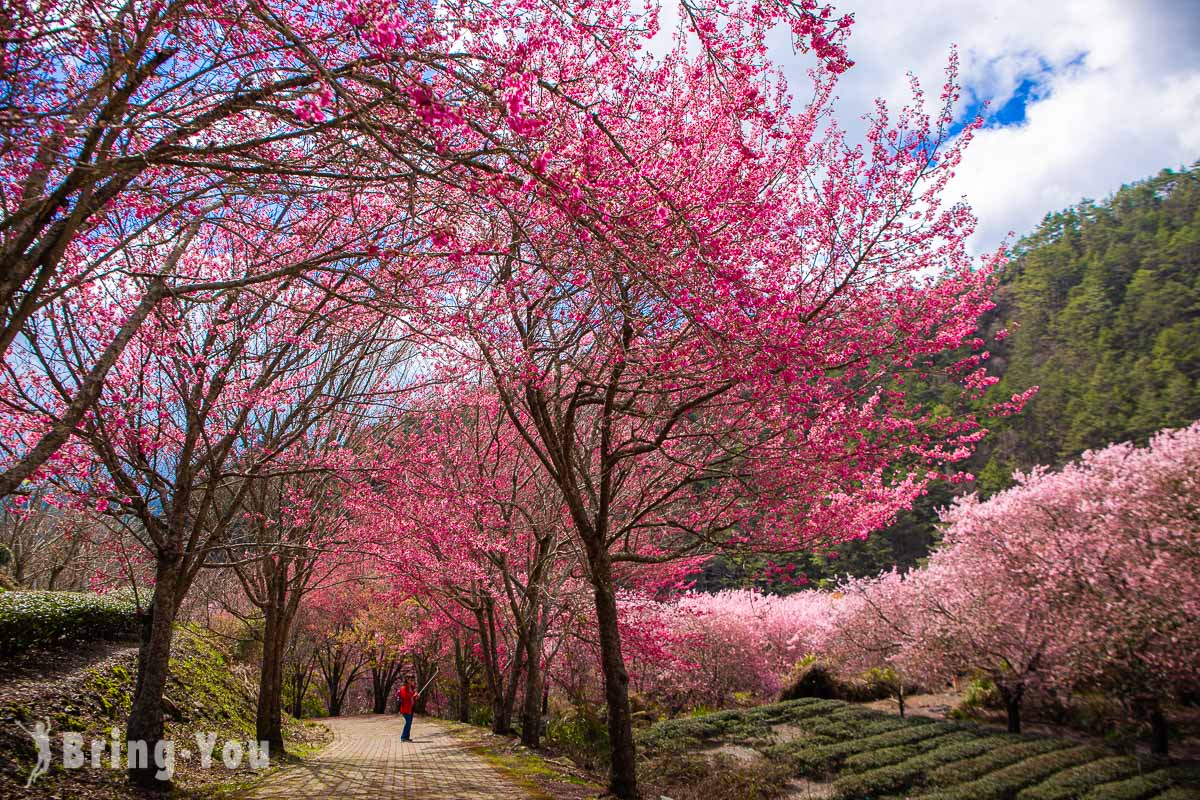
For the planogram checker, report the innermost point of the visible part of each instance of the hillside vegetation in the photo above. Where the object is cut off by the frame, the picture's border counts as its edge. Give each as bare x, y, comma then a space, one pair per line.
1107, 298
87, 687
1101, 307
827, 748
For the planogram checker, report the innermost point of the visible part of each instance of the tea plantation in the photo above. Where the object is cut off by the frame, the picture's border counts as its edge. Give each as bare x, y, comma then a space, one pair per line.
851, 753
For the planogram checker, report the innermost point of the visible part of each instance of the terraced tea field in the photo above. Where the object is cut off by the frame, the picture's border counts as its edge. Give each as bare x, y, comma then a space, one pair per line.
838, 750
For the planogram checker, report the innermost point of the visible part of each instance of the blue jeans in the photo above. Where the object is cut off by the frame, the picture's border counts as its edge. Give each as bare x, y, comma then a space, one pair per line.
404, 737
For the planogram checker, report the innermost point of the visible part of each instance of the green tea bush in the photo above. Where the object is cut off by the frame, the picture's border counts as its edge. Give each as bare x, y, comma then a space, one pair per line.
29, 619
823, 759
1000, 757
906, 774
1135, 788
718, 777
874, 759
1006, 782
747, 725
1180, 793
1072, 783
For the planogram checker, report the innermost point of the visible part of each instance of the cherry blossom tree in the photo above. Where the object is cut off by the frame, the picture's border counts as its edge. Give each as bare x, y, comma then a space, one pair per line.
711, 355
879, 623
177, 432
694, 305
1081, 577
480, 534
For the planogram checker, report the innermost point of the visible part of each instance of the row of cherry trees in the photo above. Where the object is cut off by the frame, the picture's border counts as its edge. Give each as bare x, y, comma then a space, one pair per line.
1084, 579
482, 292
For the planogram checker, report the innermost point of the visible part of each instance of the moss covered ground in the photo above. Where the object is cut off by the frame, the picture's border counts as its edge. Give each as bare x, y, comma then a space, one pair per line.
206, 694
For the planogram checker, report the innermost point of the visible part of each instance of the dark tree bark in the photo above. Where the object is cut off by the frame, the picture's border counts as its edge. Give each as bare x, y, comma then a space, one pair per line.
1012, 706
145, 722
531, 717
463, 672
1159, 732
383, 678
423, 671
299, 678
339, 667
623, 776
268, 721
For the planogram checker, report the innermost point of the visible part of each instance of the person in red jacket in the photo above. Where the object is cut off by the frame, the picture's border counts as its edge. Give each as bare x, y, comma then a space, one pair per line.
406, 697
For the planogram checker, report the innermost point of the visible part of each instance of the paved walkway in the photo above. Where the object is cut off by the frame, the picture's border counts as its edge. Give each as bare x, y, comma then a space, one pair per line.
367, 760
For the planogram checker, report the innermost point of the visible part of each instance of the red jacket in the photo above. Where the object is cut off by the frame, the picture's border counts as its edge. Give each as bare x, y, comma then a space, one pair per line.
406, 697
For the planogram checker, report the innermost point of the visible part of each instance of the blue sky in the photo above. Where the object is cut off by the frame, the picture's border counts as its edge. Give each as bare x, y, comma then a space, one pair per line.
1083, 95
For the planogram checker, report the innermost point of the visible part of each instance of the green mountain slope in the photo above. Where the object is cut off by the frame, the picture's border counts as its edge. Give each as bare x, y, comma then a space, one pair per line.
1102, 305
1107, 298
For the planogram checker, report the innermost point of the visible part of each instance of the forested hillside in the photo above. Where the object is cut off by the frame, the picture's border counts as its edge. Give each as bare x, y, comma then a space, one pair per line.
1102, 306
1107, 299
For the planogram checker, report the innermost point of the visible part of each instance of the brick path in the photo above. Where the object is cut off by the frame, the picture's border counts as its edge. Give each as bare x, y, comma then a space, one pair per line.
367, 760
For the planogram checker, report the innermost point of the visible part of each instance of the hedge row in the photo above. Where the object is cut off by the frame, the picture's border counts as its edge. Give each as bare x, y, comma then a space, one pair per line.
887, 756
680, 734
904, 775
822, 759
1005, 783
1001, 757
1179, 793
874, 755
29, 619
1141, 787
1072, 783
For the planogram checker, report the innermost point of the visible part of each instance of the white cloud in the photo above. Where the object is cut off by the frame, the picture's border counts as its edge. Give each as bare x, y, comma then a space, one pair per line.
1118, 92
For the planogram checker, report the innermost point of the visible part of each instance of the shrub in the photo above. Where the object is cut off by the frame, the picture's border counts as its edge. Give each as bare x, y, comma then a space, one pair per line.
821, 759
972, 768
580, 734
716, 778
1136, 788
980, 693
1071, 783
733, 725
812, 679
1004, 783
29, 619
874, 759
1180, 793
911, 772
793, 710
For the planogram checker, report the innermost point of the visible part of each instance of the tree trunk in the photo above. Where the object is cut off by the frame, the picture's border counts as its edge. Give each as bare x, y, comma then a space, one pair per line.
379, 697
464, 702
623, 774
509, 700
1012, 707
900, 699
145, 722
504, 700
268, 720
531, 718
1158, 732
297, 698
299, 678
332, 673
383, 679
463, 705
423, 671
